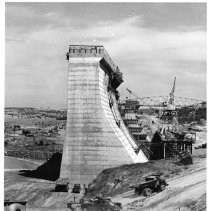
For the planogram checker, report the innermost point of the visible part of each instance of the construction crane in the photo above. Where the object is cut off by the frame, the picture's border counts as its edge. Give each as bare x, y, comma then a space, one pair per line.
166, 105
140, 98
131, 92
171, 100
168, 114
171, 95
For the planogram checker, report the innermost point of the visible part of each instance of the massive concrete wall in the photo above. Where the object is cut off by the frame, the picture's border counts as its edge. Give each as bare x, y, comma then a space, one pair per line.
93, 140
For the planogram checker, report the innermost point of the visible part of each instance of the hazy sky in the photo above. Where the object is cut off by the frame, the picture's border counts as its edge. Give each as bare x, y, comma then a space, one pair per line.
150, 42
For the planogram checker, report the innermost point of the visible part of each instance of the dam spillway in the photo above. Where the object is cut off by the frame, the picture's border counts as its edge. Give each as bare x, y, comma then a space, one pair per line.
96, 137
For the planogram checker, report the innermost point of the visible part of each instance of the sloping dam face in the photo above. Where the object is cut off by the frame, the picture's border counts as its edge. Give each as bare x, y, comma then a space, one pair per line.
96, 137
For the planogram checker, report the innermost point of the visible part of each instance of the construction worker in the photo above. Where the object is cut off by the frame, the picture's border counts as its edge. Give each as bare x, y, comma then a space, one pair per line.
85, 189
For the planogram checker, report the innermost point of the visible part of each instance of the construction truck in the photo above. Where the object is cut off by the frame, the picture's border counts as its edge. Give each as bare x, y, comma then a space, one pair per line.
152, 184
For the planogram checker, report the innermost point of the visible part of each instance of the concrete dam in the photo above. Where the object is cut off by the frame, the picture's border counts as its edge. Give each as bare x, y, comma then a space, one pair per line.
96, 137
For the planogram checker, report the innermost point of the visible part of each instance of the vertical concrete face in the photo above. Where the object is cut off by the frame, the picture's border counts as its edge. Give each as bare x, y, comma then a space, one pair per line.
94, 141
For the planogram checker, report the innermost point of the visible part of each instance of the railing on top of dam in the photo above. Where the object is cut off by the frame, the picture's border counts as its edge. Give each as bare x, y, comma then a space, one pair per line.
92, 50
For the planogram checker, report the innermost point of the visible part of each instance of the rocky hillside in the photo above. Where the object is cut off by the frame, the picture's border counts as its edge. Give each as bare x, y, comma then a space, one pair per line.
114, 181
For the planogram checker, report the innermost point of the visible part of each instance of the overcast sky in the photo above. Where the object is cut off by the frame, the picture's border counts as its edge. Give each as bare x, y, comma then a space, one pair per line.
150, 42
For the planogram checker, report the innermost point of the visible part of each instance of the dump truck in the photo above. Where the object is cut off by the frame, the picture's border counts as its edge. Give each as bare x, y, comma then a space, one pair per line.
95, 204
153, 183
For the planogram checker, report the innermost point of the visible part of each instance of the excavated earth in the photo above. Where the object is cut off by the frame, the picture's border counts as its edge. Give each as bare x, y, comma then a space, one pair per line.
20, 184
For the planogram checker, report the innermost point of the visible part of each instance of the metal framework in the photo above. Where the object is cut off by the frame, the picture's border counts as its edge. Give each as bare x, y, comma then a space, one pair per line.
157, 101
167, 106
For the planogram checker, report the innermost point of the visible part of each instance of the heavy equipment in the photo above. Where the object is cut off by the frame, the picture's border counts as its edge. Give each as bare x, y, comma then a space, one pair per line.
96, 204
152, 184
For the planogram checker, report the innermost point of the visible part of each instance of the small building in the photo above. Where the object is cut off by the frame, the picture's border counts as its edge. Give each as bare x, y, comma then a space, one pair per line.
170, 144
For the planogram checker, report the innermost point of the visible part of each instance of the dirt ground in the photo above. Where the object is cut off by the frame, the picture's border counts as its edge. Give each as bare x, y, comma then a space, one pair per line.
186, 190
11, 163
182, 193
37, 192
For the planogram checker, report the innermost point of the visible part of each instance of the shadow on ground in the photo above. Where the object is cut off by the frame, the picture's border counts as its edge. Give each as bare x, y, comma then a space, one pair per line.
47, 171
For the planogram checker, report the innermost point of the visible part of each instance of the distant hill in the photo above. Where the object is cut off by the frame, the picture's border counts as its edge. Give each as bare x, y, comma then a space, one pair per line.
191, 114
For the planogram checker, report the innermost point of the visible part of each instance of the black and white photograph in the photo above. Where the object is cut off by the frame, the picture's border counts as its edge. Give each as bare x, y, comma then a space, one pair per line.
105, 106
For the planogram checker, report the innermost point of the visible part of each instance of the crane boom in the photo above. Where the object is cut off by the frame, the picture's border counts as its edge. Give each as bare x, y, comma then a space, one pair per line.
173, 89
171, 96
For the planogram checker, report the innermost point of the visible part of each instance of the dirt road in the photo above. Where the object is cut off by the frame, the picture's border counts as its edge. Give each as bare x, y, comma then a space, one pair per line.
12, 163
181, 193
